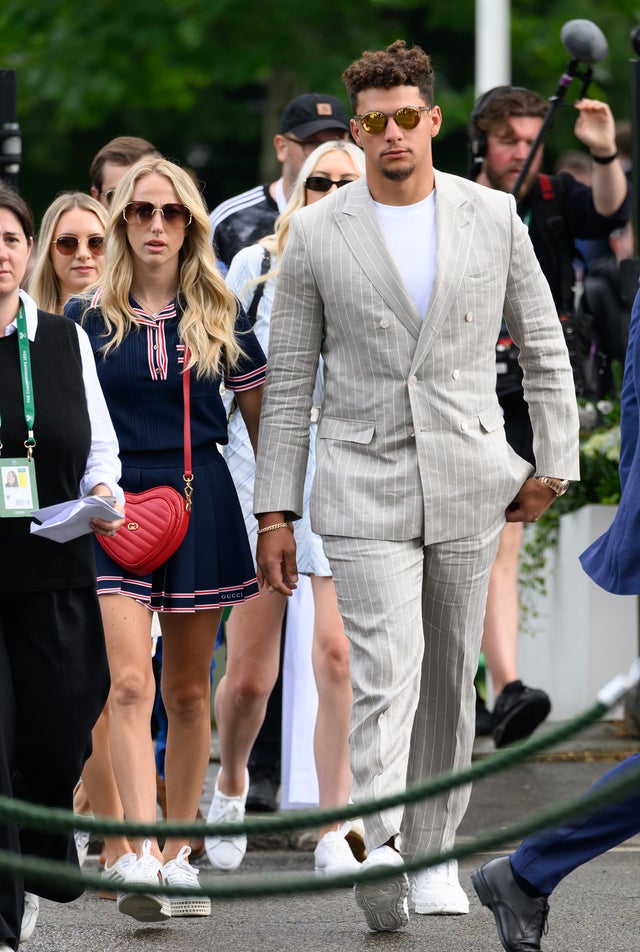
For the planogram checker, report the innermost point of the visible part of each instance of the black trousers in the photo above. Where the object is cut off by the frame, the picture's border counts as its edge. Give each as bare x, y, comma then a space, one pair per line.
54, 681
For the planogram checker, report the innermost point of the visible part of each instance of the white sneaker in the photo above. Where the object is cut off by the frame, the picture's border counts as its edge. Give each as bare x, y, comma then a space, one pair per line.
384, 902
5, 948
113, 876
145, 907
437, 892
333, 856
227, 852
29, 915
82, 838
178, 872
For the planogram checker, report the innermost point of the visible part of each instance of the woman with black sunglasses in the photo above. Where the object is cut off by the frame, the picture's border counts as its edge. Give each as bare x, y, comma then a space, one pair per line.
253, 630
162, 307
70, 255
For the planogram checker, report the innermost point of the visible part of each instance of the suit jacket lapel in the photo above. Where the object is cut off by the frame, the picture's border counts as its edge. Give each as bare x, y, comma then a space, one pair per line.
359, 224
454, 213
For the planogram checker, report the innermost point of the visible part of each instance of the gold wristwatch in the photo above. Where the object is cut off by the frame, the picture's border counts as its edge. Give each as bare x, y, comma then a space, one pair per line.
559, 486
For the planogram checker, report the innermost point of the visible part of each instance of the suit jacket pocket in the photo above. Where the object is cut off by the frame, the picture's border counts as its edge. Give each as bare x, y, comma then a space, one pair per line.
491, 419
346, 431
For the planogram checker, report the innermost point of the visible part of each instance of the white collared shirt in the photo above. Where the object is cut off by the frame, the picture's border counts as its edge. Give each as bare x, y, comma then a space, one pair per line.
103, 463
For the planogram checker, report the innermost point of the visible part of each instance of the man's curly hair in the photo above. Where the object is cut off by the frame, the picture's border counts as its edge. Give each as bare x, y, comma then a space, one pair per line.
384, 69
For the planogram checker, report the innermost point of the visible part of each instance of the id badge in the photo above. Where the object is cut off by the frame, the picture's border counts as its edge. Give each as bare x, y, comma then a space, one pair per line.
19, 492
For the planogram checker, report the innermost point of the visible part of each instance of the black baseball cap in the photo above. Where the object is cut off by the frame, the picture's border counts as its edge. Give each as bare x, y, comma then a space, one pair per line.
311, 113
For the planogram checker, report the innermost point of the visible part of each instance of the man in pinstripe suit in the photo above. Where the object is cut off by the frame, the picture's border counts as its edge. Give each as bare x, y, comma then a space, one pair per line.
400, 280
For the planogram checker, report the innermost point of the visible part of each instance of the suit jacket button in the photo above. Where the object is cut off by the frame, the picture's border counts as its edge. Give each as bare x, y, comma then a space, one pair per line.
464, 426
455, 374
468, 317
385, 322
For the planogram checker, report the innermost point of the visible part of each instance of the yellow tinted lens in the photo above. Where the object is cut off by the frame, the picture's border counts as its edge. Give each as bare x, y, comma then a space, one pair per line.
374, 122
407, 117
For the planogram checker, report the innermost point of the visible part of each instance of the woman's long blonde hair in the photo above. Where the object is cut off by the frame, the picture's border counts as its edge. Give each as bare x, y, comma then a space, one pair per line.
207, 308
44, 286
276, 242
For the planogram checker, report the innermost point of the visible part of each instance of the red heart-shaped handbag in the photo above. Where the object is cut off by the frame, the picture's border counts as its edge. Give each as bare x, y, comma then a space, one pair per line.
156, 522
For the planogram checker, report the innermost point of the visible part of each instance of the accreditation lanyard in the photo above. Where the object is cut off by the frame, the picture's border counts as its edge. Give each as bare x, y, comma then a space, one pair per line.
19, 496
27, 380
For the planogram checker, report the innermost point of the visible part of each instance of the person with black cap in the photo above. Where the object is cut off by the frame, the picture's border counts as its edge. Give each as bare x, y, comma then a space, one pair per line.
306, 122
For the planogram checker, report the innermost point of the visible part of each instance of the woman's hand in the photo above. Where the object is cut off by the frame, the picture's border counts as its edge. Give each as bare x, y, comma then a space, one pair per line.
103, 526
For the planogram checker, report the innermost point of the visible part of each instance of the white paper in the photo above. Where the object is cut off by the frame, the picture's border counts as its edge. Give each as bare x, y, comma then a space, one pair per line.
68, 520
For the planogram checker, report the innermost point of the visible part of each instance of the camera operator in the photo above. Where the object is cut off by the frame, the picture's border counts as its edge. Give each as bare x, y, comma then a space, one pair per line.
557, 210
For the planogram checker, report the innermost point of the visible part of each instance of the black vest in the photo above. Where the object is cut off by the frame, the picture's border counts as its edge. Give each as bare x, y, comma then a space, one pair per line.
63, 438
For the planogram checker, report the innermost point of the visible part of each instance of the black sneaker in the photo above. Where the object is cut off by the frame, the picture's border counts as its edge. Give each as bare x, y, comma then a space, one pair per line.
517, 712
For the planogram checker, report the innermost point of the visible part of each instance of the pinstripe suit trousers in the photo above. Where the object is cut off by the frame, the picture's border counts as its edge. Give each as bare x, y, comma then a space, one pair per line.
414, 617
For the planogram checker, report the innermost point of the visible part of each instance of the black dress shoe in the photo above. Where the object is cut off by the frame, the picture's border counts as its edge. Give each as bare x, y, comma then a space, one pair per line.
521, 919
517, 712
484, 718
263, 792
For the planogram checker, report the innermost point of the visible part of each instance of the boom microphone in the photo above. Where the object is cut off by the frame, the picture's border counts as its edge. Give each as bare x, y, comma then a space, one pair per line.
584, 41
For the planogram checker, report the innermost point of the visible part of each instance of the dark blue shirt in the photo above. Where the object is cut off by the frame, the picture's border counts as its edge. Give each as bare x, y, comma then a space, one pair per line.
142, 381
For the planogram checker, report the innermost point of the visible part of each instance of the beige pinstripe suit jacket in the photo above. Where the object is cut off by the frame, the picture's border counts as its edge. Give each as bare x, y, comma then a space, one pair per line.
411, 440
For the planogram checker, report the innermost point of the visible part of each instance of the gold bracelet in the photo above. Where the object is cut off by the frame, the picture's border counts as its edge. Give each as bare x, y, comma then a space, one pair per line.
277, 525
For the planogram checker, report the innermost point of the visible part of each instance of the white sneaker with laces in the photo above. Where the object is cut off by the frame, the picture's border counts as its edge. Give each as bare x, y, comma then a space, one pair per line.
178, 872
114, 876
333, 856
145, 907
437, 892
29, 915
227, 852
384, 902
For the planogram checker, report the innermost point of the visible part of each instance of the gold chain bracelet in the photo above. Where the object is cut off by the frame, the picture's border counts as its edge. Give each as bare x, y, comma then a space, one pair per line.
277, 525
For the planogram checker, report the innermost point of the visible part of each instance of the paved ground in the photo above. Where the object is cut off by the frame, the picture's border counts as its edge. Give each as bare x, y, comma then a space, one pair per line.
594, 910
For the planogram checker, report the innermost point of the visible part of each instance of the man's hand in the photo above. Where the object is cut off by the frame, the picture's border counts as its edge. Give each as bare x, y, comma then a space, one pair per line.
531, 501
595, 126
276, 557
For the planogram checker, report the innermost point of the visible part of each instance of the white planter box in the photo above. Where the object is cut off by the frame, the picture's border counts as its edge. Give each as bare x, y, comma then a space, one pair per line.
582, 636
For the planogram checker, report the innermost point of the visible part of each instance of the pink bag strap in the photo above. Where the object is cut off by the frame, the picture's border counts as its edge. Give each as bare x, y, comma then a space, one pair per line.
186, 396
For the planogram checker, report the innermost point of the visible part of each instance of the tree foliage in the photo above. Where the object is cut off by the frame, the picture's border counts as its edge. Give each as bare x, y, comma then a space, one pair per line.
214, 74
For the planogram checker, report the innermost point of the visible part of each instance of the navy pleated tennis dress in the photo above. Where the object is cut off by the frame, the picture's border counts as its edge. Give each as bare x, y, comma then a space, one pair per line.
142, 383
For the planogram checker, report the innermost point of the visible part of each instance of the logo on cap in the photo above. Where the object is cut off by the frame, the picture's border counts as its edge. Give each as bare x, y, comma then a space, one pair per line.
324, 109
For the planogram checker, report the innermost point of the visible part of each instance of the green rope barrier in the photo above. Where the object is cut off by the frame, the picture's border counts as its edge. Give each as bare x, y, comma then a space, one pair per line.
612, 791
63, 821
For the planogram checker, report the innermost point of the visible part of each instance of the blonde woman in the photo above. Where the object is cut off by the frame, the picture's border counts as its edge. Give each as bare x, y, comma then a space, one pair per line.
164, 305
253, 630
70, 259
70, 250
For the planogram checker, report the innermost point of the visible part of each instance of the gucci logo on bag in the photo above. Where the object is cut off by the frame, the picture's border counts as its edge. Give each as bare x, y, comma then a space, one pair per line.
132, 526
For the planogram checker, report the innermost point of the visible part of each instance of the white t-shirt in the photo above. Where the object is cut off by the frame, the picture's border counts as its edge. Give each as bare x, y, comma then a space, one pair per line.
410, 232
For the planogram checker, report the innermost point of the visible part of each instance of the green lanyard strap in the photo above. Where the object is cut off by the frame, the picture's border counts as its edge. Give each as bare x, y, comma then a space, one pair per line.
27, 381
